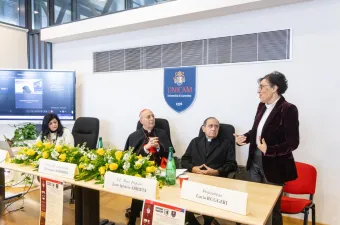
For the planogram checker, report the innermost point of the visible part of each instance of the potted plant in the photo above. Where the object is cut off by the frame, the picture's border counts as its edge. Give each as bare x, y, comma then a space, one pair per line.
24, 135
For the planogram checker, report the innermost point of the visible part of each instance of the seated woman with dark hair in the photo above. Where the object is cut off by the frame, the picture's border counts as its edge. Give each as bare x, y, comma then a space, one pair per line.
54, 132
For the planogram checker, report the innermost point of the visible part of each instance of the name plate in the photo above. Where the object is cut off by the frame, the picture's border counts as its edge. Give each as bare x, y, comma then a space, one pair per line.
57, 168
135, 186
222, 198
3, 155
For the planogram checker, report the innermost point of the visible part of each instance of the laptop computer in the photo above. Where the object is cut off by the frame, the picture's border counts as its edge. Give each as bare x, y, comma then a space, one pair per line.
4, 146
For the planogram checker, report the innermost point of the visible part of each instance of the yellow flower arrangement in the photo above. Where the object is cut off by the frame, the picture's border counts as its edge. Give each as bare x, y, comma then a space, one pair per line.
58, 148
31, 152
47, 145
92, 164
39, 144
32, 155
113, 166
118, 155
100, 151
62, 157
102, 170
150, 169
45, 155
81, 166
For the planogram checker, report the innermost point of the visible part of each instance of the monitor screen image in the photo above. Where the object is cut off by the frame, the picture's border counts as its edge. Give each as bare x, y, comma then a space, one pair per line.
30, 94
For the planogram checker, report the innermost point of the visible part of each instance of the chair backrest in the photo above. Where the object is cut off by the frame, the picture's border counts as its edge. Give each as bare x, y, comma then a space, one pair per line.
306, 181
86, 129
226, 131
160, 124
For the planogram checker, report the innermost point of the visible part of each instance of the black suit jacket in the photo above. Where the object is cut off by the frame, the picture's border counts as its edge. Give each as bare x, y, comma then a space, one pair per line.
281, 133
137, 140
221, 156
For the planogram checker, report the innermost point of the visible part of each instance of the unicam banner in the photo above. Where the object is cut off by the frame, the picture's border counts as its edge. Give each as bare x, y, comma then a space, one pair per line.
179, 87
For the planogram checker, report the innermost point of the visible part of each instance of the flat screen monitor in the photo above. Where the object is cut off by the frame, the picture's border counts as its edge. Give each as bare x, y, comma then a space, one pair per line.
30, 94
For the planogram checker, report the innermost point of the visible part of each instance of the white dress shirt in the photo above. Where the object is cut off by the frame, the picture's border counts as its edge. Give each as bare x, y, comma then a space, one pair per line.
264, 118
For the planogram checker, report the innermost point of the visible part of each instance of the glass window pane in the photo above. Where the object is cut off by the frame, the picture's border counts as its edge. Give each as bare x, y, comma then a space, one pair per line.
62, 11
39, 14
92, 8
139, 3
10, 11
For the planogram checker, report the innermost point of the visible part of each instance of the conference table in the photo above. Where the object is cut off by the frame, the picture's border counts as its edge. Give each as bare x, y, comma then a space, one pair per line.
261, 197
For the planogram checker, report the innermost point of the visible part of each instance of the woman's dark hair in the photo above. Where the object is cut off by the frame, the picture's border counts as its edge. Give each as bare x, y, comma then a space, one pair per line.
45, 130
278, 79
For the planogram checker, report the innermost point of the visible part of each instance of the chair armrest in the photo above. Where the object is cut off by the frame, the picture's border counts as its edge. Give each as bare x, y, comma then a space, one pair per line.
178, 162
232, 175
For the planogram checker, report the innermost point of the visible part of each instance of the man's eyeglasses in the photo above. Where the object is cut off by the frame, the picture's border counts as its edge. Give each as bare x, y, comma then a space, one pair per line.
150, 116
261, 86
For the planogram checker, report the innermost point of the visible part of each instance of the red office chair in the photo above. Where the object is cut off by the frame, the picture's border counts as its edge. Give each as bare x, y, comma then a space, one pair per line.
304, 184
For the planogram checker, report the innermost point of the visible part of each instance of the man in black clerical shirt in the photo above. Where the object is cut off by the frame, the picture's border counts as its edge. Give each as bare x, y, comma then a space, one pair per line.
147, 140
209, 155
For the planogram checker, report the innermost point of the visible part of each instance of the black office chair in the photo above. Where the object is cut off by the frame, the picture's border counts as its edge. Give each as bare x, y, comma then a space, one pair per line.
226, 131
160, 124
85, 130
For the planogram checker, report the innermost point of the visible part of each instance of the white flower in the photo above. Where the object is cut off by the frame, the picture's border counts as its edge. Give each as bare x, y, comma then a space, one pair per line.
110, 159
92, 156
54, 154
149, 176
126, 166
90, 167
21, 157
82, 151
158, 171
126, 156
138, 165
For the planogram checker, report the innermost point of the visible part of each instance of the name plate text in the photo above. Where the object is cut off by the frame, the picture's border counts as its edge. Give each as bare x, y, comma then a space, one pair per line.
57, 168
131, 185
222, 198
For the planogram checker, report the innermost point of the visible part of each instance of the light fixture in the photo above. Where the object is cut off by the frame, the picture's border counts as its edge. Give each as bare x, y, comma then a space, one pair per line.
36, 12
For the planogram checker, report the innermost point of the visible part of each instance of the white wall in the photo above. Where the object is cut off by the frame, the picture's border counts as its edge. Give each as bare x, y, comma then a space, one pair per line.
13, 46
227, 91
